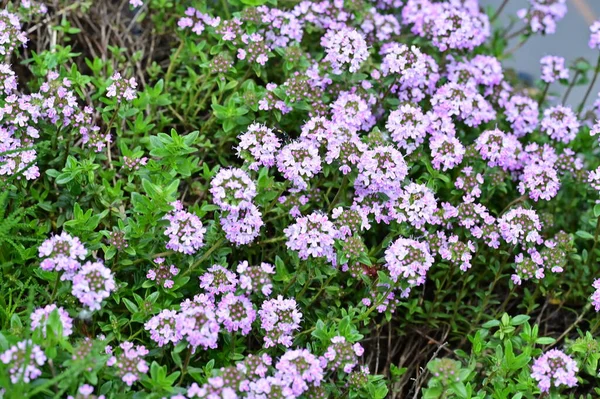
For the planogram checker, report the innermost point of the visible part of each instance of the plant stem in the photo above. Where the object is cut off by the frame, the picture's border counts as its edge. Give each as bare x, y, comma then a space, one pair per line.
206, 255
571, 85
173, 63
498, 11
543, 97
590, 87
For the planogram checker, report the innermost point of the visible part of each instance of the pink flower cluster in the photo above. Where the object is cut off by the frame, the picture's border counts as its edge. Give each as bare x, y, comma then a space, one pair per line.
185, 230
24, 361
129, 363
554, 368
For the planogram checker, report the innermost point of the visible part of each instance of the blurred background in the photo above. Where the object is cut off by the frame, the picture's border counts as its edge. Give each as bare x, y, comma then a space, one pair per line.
569, 41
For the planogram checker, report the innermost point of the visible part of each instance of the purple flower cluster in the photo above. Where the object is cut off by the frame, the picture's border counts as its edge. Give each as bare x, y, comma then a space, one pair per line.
86, 391
554, 368
185, 230
162, 274
62, 253
408, 260
312, 236
341, 354
344, 46
93, 284
553, 69
40, 318
11, 35
258, 146
230, 187
122, 89
129, 363
24, 361
279, 319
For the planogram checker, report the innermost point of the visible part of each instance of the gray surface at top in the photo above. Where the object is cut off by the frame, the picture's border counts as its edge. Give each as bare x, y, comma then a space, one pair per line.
569, 41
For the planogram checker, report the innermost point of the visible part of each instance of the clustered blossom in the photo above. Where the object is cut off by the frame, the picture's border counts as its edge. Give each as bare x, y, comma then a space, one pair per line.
93, 284
24, 361
408, 127
554, 368
381, 170
40, 318
299, 161
312, 236
345, 46
11, 35
560, 123
279, 318
542, 16
236, 313
129, 363
198, 325
242, 225
185, 230
122, 89
218, 280
230, 187
258, 146
341, 354
62, 253
416, 205
162, 273
594, 41
595, 298
85, 391
522, 113
408, 260
256, 279
163, 328
553, 69
520, 226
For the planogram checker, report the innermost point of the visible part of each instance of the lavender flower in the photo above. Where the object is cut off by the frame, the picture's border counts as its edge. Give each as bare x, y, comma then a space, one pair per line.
595, 298
218, 280
312, 236
381, 170
554, 368
522, 113
230, 187
130, 363
341, 354
86, 391
198, 325
301, 369
560, 123
258, 146
162, 274
408, 127
40, 318
62, 253
447, 151
344, 46
163, 328
408, 260
553, 69
242, 225
122, 89
520, 226
299, 161
23, 360
279, 318
236, 313
594, 41
185, 231
11, 35
92, 284
256, 279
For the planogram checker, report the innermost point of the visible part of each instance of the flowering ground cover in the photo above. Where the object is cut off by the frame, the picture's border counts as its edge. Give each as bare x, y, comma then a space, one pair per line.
295, 199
